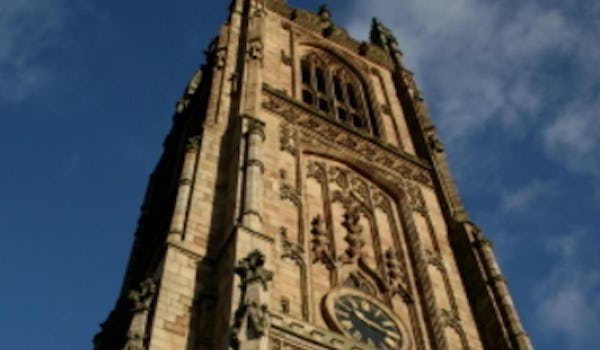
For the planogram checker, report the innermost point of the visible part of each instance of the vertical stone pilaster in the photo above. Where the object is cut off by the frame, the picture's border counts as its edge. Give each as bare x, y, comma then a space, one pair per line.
500, 288
182, 201
254, 168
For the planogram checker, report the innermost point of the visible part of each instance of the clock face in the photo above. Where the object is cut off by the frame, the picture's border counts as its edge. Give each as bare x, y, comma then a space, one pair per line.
367, 322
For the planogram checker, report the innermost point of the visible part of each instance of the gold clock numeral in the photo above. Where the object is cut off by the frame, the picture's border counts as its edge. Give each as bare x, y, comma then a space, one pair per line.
388, 323
356, 334
347, 324
342, 313
389, 341
365, 305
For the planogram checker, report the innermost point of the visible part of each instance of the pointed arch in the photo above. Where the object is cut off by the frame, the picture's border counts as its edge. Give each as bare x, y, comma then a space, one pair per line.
333, 85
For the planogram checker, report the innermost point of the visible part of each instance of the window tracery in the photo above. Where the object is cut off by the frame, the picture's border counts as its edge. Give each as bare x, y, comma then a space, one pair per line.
330, 87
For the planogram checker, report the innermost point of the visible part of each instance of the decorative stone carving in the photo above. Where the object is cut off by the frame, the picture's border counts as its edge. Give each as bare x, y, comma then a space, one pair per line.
219, 57
320, 243
291, 250
353, 237
396, 278
318, 130
324, 13
287, 139
435, 259
255, 49
193, 143
135, 341
317, 170
452, 319
251, 319
385, 108
357, 281
416, 200
251, 269
258, 318
285, 58
142, 298
255, 126
190, 90
411, 85
363, 49
434, 141
383, 37
288, 192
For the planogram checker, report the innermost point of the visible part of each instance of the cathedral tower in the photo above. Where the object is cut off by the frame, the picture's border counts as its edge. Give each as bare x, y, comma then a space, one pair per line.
303, 201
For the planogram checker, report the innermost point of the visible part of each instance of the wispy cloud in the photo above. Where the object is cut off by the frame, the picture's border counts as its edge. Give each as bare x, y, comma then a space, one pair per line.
572, 138
502, 67
27, 28
569, 297
526, 198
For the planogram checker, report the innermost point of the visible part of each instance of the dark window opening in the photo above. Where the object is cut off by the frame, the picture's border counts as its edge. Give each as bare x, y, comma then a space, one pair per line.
337, 83
342, 115
357, 121
306, 72
323, 105
352, 96
320, 80
307, 97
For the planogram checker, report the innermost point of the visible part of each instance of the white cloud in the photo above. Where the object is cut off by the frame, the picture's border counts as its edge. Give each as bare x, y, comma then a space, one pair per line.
569, 297
572, 138
501, 67
27, 28
525, 199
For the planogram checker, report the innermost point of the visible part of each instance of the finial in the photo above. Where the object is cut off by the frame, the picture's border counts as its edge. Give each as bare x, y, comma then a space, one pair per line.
383, 37
324, 12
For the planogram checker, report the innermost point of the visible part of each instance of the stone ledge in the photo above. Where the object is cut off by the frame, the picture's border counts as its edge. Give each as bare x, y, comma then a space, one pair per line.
286, 328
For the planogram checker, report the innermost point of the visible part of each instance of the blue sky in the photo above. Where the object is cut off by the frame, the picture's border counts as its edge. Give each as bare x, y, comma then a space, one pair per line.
87, 90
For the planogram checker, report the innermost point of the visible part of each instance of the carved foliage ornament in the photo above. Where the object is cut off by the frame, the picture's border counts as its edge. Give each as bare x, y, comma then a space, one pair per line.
396, 277
290, 249
353, 237
316, 130
320, 244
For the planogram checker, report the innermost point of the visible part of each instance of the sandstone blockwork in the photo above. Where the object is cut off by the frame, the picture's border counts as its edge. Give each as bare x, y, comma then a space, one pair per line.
303, 201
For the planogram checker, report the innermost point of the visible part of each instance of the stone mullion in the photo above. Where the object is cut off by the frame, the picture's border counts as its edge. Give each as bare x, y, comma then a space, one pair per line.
433, 321
412, 307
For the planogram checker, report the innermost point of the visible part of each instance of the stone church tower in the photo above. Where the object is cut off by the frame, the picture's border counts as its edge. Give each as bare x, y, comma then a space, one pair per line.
303, 201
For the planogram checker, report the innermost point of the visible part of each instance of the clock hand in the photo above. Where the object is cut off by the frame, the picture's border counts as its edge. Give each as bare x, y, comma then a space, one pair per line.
374, 325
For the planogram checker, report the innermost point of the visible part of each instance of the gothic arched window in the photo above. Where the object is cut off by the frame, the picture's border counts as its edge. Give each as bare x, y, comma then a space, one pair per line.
331, 88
